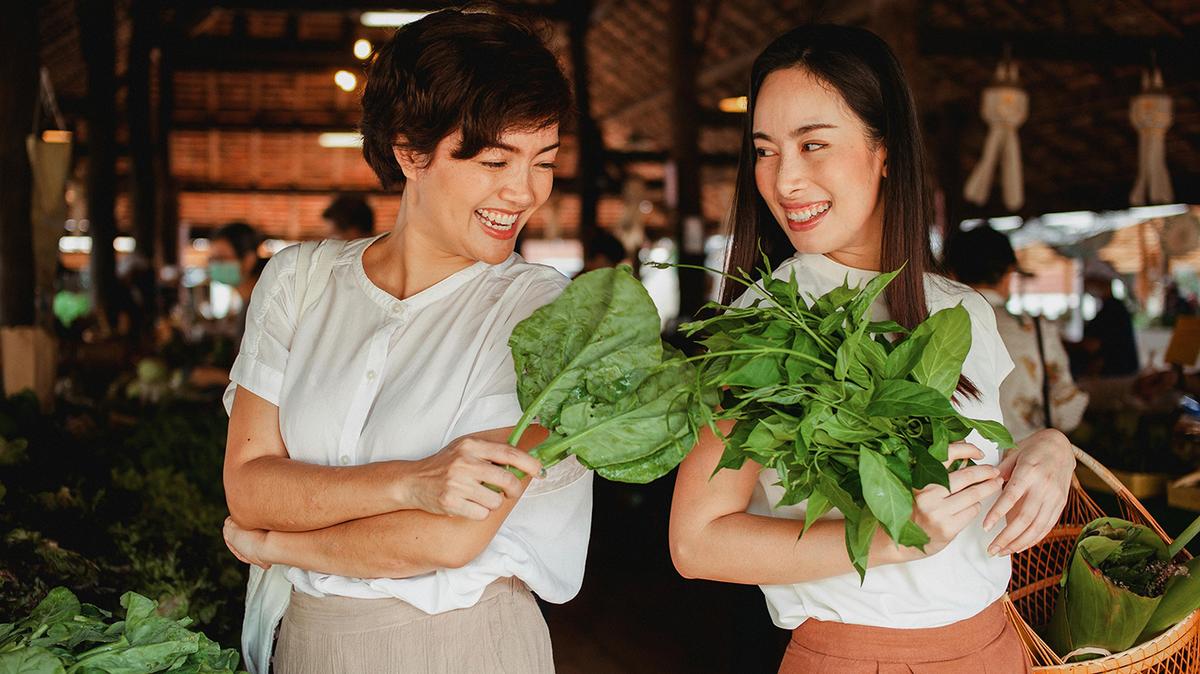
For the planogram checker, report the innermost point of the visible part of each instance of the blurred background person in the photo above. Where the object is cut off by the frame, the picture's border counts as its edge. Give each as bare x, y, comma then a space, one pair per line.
1109, 348
349, 217
232, 261
1039, 392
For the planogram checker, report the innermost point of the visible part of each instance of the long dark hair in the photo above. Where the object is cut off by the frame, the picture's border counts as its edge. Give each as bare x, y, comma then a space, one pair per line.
864, 71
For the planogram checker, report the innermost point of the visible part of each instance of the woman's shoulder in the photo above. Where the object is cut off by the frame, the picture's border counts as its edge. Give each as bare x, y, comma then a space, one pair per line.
517, 275
942, 292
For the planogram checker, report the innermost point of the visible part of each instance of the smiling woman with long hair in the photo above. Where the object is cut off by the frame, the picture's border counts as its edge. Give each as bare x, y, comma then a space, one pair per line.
368, 425
832, 185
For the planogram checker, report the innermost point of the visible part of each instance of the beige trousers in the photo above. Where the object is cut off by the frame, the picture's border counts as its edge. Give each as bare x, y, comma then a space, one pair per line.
504, 633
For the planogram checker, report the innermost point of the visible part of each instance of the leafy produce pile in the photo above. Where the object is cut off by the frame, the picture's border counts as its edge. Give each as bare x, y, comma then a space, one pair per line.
847, 417
106, 495
63, 636
592, 369
1123, 586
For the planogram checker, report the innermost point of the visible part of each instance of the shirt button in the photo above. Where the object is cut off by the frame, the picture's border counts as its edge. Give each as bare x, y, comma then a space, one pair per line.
397, 309
345, 460
370, 375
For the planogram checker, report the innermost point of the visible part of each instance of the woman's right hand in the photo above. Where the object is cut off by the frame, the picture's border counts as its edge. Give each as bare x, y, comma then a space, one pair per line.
943, 514
452, 482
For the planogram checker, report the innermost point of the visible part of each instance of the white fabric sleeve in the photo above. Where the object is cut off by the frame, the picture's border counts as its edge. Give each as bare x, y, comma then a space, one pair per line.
270, 325
985, 333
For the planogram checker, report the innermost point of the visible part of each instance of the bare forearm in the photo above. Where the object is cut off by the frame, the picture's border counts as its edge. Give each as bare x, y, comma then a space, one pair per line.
758, 550
398, 544
283, 494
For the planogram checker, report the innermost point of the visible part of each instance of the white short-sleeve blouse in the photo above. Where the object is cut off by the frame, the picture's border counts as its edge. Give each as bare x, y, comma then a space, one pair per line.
367, 377
962, 579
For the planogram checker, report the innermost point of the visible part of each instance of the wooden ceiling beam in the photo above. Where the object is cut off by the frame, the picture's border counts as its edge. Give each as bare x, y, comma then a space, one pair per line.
1176, 55
263, 55
550, 10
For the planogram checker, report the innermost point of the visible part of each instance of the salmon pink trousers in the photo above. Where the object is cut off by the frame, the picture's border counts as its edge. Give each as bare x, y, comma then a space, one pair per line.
985, 644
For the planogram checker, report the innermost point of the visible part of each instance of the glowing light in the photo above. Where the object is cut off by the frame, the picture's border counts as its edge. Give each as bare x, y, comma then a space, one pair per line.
56, 136
733, 104
362, 48
389, 19
345, 80
340, 139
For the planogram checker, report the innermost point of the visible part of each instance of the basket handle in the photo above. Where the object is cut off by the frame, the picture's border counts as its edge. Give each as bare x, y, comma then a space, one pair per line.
1126, 497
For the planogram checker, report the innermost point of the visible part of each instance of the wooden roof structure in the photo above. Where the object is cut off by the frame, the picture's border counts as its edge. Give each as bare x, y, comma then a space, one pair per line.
251, 87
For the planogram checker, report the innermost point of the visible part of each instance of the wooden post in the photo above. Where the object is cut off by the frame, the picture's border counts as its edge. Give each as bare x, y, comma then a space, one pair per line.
18, 95
98, 41
167, 205
590, 165
683, 169
141, 147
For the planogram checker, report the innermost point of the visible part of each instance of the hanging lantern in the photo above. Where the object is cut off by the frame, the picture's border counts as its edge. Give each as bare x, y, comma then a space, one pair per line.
1005, 108
1150, 112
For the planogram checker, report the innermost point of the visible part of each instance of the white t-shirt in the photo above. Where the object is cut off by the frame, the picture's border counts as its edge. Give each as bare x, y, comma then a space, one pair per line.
368, 377
957, 582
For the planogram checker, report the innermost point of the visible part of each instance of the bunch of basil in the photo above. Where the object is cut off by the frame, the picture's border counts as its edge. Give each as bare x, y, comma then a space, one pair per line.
592, 369
63, 636
1122, 586
847, 417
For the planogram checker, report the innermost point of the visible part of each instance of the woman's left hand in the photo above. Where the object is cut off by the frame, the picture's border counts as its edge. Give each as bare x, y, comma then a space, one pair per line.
1037, 480
246, 544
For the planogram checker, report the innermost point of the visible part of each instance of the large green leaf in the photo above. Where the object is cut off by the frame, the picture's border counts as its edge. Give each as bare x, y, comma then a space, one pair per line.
928, 470
949, 335
641, 437
889, 499
899, 398
905, 356
860, 529
992, 430
595, 341
591, 366
32, 660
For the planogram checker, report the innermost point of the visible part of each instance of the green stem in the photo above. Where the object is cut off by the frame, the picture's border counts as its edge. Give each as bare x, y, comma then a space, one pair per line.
1184, 538
766, 349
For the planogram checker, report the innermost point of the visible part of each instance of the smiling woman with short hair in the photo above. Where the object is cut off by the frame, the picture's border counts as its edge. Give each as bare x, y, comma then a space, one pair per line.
366, 428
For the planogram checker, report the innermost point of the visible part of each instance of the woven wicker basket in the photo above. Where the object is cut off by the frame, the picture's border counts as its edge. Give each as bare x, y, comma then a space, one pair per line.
1033, 591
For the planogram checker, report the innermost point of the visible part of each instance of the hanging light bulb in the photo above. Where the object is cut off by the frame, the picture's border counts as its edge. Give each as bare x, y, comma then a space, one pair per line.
732, 104
345, 80
362, 49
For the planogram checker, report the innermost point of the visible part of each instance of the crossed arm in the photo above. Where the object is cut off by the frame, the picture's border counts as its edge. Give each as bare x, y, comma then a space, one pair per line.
392, 519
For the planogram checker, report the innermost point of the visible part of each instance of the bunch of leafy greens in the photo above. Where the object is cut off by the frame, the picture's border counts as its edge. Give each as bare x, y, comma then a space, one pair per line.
1122, 586
592, 369
106, 495
63, 636
847, 417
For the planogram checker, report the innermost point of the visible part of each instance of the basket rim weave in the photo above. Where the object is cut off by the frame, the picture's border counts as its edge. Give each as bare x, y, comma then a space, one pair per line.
1140, 658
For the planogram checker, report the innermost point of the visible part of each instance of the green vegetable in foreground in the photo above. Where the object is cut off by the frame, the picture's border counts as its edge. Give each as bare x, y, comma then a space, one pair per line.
63, 636
848, 418
592, 369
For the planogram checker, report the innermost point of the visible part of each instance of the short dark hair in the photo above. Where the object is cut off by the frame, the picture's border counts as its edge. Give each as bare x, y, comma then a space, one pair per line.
242, 237
350, 213
981, 256
483, 73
